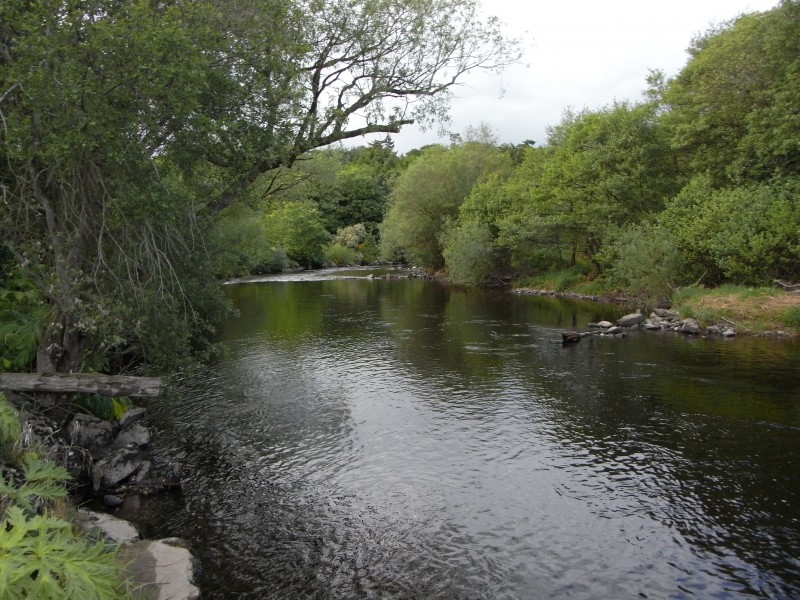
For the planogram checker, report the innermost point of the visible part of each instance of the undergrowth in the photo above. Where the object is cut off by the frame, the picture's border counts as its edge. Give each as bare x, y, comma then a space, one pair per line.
41, 555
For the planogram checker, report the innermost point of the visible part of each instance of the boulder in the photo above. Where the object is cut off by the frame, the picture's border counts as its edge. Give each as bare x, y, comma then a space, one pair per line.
605, 324
729, 332
691, 326
630, 320
651, 325
666, 314
91, 433
613, 331
714, 329
164, 569
116, 468
135, 434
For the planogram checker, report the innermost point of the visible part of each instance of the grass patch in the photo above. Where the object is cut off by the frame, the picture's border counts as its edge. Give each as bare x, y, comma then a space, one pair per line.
560, 280
750, 309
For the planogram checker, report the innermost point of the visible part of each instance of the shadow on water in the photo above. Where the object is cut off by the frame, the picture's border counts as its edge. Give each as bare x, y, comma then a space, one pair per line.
403, 439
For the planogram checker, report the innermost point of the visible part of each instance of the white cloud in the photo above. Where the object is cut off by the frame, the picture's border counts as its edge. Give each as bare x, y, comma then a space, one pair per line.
580, 53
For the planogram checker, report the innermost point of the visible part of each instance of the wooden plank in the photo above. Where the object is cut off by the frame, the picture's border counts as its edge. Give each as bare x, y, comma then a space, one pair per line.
92, 383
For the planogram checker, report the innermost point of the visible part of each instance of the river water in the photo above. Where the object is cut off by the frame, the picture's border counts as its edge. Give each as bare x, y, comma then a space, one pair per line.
367, 438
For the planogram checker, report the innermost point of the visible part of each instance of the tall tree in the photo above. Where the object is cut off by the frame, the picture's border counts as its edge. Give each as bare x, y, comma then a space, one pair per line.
124, 122
339, 69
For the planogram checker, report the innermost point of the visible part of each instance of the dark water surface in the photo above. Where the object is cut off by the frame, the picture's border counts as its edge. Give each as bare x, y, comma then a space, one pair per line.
402, 439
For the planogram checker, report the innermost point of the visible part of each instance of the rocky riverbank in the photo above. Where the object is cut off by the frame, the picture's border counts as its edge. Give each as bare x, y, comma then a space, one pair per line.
111, 464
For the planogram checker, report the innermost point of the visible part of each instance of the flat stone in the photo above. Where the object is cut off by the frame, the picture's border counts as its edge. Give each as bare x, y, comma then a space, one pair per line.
729, 333
630, 320
605, 324
652, 326
110, 528
613, 330
666, 314
164, 570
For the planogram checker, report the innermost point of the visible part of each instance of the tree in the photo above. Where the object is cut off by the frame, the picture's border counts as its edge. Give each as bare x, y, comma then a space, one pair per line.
90, 97
320, 72
427, 195
732, 110
125, 124
298, 229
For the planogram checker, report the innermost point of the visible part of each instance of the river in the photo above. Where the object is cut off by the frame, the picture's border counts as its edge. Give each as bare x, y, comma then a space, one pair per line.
369, 438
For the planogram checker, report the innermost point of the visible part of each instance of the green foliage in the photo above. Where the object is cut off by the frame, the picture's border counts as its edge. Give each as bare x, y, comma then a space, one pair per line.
23, 314
44, 482
9, 428
558, 280
645, 260
746, 234
339, 255
734, 106
242, 244
40, 557
108, 408
792, 317
298, 229
468, 253
429, 193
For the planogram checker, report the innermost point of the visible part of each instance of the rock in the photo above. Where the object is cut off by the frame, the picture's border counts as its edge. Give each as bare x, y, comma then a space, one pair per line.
90, 433
116, 468
110, 528
613, 330
652, 325
135, 434
691, 326
714, 329
605, 324
111, 500
132, 416
666, 314
630, 320
570, 337
165, 570
729, 332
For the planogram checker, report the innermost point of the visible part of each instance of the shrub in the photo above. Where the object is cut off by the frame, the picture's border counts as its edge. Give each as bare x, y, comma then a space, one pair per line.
645, 260
468, 253
339, 255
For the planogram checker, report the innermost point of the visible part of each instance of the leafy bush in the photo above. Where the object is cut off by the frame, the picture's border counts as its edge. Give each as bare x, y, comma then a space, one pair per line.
339, 255
747, 235
298, 229
645, 260
468, 253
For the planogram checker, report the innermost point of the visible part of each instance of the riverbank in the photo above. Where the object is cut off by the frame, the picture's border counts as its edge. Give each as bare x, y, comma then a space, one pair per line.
750, 311
47, 453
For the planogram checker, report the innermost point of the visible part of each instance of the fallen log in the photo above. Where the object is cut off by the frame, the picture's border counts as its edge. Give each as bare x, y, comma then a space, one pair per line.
91, 383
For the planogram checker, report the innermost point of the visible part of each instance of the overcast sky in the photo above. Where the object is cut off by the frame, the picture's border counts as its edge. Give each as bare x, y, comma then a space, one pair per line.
578, 53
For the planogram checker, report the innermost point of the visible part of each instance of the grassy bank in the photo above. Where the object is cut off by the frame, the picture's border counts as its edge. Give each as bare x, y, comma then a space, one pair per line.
749, 309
